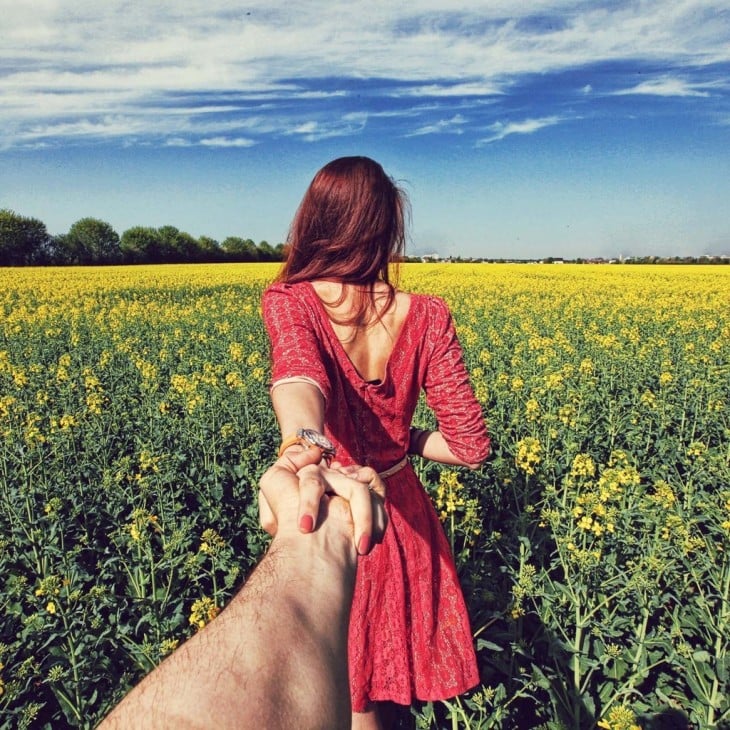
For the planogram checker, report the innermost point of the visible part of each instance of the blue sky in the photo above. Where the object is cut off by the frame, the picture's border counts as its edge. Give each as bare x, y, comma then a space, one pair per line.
559, 128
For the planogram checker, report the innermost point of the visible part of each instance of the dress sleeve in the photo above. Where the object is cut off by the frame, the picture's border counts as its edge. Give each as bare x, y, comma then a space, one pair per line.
448, 390
296, 353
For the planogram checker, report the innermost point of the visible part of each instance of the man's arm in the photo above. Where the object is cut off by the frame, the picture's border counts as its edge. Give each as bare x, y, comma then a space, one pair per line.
276, 657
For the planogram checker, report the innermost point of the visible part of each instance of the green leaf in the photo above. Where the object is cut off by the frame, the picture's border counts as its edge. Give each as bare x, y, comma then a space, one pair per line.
484, 644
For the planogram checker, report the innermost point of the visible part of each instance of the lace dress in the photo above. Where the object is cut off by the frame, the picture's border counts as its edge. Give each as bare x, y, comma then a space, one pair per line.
409, 631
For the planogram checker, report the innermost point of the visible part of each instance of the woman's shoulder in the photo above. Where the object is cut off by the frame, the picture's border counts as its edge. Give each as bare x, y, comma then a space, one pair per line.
283, 290
286, 302
283, 286
433, 307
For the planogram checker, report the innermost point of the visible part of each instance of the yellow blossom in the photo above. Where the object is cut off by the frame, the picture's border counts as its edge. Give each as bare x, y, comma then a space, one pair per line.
235, 350
203, 611
696, 449
583, 466
67, 422
619, 718
529, 454
167, 646
234, 380
586, 366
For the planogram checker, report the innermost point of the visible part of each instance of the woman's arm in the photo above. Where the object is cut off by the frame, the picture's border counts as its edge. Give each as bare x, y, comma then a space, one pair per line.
297, 405
432, 445
300, 385
461, 438
301, 405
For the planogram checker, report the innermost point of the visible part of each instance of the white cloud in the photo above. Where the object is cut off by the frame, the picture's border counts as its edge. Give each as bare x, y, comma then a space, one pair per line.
500, 130
668, 86
227, 142
116, 126
453, 126
448, 90
316, 130
178, 142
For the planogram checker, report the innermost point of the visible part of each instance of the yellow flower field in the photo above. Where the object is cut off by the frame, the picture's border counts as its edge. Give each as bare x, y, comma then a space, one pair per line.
594, 548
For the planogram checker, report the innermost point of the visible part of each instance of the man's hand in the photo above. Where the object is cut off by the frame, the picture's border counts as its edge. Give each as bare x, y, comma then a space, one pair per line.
316, 485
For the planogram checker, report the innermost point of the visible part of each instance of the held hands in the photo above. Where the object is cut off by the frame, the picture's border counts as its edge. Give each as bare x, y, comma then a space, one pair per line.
295, 488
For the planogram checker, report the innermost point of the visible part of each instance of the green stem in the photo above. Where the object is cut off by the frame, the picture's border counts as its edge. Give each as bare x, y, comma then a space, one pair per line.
67, 700
720, 649
451, 532
152, 572
640, 647
577, 645
74, 666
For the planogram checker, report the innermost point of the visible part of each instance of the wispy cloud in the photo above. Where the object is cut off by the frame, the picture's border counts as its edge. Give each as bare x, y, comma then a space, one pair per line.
316, 130
475, 88
668, 86
111, 70
112, 126
227, 142
452, 126
500, 130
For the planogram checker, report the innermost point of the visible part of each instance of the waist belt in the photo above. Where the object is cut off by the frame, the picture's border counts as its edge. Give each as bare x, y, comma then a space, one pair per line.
393, 469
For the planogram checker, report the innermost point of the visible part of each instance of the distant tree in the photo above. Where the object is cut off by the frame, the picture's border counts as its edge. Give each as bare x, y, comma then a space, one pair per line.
187, 247
240, 249
59, 250
209, 250
168, 243
141, 245
92, 241
266, 252
177, 246
23, 241
65, 252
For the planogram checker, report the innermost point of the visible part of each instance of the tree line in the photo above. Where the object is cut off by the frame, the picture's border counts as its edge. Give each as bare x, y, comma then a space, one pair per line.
26, 242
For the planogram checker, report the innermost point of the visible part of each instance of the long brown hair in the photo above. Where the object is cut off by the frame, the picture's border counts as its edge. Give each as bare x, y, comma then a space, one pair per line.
349, 227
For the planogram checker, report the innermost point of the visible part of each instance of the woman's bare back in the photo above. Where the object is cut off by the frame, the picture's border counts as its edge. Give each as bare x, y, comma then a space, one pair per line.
368, 348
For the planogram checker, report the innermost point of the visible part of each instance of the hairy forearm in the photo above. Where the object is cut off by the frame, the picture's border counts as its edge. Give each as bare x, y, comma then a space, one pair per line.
275, 658
300, 657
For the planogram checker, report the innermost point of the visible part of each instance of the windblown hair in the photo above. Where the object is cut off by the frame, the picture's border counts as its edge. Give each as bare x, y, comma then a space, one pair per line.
350, 226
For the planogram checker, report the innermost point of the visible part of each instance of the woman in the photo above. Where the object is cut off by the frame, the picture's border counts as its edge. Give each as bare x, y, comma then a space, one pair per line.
351, 354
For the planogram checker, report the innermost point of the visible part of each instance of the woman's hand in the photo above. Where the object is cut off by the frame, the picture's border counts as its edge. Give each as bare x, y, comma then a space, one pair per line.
363, 489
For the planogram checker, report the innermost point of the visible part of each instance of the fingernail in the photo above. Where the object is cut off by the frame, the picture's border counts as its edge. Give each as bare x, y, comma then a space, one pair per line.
364, 545
306, 523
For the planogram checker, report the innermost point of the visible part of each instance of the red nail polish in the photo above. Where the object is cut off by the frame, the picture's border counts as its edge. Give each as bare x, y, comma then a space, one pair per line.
364, 545
306, 523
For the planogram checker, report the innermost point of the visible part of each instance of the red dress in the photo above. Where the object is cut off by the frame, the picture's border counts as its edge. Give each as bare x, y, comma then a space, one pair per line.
409, 629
